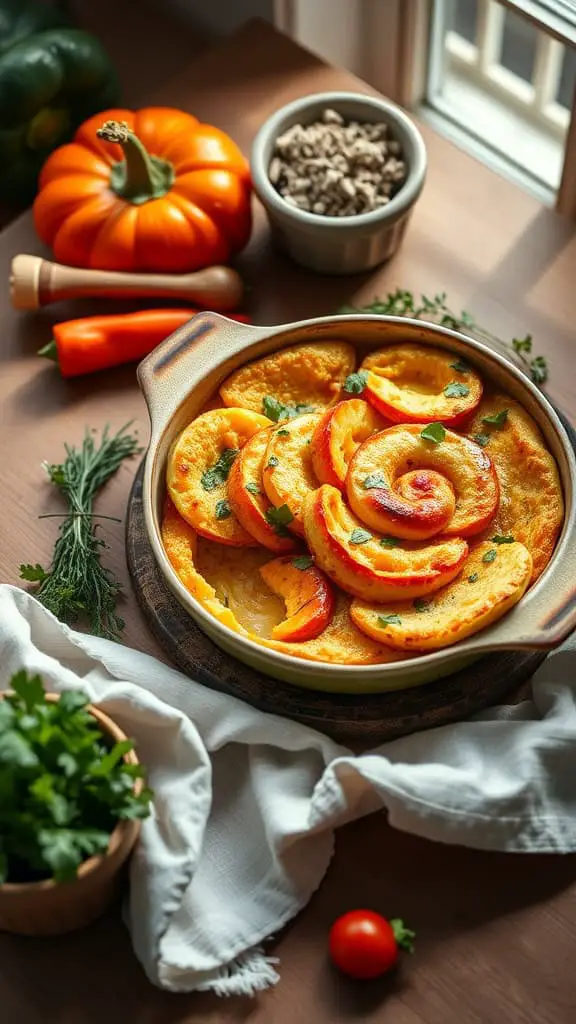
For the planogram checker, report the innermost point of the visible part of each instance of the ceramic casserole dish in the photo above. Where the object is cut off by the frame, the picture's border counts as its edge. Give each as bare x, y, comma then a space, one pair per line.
181, 375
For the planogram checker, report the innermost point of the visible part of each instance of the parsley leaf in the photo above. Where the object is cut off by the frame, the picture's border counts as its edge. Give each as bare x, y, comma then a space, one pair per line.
278, 519
282, 433
29, 689
303, 562
272, 461
64, 849
33, 573
359, 536
481, 439
389, 542
253, 488
272, 408
434, 432
473, 577
223, 510
500, 538
460, 366
421, 605
276, 410
490, 555
374, 480
389, 620
218, 473
356, 382
456, 390
498, 419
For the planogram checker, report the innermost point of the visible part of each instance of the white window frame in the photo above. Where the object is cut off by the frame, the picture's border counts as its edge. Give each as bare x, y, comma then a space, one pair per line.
386, 42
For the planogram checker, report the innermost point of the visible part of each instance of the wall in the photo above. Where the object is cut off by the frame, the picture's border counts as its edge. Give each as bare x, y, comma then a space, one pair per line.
218, 17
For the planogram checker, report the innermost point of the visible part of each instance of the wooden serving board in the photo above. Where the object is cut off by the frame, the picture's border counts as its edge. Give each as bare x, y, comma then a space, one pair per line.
359, 717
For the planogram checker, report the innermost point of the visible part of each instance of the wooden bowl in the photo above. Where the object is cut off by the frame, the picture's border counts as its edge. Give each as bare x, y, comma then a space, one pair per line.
53, 908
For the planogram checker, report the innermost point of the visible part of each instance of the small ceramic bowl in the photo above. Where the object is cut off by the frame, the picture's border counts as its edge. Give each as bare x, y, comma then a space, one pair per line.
339, 245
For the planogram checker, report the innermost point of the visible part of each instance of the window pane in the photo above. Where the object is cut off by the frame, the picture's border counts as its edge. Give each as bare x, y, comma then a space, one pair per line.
518, 46
493, 94
465, 18
565, 94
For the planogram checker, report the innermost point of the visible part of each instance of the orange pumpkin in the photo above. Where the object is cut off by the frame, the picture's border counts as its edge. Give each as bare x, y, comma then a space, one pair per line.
151, 190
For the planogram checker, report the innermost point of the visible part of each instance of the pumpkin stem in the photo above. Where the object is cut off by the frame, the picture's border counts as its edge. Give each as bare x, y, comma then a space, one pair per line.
140, 176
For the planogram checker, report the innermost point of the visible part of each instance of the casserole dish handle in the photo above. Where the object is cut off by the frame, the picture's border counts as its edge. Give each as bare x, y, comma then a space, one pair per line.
165, 375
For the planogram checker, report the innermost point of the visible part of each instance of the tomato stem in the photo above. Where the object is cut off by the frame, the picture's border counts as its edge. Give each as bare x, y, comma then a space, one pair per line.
403, 935
140, 176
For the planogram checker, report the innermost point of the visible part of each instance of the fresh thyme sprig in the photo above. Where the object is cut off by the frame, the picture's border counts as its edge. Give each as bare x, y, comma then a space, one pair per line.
405, 303
77, 584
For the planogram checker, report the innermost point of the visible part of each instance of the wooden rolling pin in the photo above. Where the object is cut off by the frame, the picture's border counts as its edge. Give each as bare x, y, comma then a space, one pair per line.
36, 282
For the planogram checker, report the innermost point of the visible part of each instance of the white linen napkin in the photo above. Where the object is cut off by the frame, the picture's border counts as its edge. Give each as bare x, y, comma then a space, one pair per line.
246, 803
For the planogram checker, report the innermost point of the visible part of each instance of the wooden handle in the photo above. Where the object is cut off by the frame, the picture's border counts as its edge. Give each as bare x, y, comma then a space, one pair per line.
35, 282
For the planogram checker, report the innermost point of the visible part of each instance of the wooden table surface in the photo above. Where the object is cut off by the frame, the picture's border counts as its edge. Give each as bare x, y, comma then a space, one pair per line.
496, 933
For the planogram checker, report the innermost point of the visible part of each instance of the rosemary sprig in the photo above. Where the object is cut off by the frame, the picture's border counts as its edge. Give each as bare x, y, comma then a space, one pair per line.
77, 584
406, 303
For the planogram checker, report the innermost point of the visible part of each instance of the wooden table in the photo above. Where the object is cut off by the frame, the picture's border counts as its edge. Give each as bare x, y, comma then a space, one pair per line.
496, 933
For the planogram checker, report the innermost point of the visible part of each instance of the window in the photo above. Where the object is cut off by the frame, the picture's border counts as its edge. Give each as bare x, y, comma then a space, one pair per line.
496, 76
503, 83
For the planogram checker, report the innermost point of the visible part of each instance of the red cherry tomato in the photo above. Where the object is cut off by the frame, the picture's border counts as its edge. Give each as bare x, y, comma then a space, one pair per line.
365, 945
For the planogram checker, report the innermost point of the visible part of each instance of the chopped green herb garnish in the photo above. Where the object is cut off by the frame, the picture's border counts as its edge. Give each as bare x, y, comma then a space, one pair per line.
490, 555
278, 519
360, 536
272, 408
303, 562
498, 419
218, 473
356, 382
374, 480
434, 432
389, 542
253, 488
282, 433
223, 510
276, 410
500, 538
421, 605
481, 439
272, 461
460, 366
473, 577
389, 620
456, 390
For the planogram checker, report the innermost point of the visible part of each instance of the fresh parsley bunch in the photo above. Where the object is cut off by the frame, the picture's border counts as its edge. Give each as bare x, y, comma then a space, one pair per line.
63, 787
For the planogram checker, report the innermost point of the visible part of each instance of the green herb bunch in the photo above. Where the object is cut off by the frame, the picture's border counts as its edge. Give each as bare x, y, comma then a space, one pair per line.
436, 309
62, 786
77, 584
